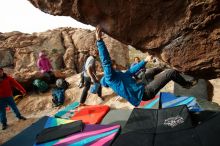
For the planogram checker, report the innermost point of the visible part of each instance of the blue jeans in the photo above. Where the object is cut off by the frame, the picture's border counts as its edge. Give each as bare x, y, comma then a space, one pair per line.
3, 103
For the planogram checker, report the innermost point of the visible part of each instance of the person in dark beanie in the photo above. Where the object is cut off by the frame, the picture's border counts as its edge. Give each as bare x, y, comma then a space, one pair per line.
6, 97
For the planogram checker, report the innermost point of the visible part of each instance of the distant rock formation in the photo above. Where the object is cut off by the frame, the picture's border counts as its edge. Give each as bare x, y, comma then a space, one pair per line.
184, 34
67, 49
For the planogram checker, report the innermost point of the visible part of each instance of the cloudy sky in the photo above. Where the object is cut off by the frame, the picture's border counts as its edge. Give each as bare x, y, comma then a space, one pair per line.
21, 15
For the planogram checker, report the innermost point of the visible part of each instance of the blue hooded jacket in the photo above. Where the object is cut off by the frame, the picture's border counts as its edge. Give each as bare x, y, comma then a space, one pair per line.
121, 82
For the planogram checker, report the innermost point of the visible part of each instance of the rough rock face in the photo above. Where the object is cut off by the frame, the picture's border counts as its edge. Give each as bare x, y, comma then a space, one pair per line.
184, 34
6, 58
27, 46
67, 49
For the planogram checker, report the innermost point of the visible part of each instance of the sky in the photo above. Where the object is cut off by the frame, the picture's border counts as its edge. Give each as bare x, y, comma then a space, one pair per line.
21, 15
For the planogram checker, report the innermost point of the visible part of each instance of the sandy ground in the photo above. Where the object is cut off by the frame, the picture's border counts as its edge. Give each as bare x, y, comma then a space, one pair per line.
34, 106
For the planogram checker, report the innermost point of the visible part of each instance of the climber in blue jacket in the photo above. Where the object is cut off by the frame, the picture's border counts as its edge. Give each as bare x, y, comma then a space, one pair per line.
125, 86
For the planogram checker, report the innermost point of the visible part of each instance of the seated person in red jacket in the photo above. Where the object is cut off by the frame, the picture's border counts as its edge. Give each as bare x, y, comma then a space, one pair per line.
6, 85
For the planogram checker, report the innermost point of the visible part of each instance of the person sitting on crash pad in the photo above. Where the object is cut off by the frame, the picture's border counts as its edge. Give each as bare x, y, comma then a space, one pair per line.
125, 86
6, 97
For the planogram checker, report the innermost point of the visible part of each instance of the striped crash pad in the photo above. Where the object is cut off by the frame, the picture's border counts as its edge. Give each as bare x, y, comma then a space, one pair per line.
67, 112
28, 135
52, 122
92, 135
150, 104
170, 100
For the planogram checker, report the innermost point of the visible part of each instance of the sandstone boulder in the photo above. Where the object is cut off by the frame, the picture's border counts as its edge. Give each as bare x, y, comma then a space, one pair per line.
6, 58
183, 34
67, 49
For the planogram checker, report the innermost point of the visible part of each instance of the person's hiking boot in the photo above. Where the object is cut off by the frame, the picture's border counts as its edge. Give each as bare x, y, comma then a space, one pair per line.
22, 118
58, 104
82, 104
4, 126
190, 84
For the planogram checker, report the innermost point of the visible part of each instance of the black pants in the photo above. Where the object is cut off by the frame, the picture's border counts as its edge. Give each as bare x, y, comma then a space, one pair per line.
87, 82
82, 78
160, 81
149, 74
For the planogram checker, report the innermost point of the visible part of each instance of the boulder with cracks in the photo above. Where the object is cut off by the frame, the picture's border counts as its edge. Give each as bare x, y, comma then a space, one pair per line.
183, 34
67, 49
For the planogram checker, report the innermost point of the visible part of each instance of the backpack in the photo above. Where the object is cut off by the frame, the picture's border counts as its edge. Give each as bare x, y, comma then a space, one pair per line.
62, 83
58, 95
50, 77
41, 85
